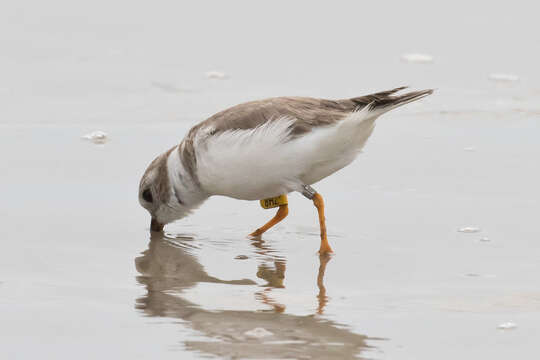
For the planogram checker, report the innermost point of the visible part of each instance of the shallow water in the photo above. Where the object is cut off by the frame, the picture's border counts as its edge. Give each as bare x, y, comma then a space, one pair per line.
82, 277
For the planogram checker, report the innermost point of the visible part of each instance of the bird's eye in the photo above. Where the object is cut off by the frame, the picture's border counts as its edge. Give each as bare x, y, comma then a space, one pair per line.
147, 195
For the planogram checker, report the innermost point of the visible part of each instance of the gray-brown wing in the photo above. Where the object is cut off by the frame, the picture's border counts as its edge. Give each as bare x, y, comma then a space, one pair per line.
308, 113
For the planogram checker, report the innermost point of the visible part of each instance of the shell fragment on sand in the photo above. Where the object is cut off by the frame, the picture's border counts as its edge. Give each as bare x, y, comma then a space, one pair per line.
417, 58
258, 333
215, 75
503, 77
97, 137
507, 326
469, 229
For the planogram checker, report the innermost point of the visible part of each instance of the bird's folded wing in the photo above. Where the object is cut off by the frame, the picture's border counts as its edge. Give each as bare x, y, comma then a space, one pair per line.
306, 113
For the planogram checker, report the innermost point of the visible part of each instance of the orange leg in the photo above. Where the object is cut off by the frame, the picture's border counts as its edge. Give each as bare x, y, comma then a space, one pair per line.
319, 204
281, 214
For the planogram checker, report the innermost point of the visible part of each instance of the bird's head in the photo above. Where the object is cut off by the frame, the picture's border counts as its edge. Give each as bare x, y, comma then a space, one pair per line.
168, 191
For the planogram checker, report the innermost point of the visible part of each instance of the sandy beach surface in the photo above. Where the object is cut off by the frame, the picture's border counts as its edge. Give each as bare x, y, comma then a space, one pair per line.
435, 226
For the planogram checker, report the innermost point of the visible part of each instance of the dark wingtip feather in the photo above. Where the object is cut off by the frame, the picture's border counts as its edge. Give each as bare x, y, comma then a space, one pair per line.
412, 96
386, 99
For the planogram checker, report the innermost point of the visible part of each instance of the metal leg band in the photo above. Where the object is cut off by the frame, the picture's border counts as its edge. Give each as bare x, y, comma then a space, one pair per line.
308, 191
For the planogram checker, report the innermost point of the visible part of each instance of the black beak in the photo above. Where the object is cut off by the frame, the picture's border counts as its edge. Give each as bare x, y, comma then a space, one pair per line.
155, 226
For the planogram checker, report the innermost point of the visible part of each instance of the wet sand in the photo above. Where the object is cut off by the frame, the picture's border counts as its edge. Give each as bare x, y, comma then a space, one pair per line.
82, 277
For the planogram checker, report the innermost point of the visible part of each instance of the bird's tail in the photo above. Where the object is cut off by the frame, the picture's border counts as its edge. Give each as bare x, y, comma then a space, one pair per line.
384, 101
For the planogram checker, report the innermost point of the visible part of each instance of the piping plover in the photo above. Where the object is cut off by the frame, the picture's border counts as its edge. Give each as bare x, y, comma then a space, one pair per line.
264, 149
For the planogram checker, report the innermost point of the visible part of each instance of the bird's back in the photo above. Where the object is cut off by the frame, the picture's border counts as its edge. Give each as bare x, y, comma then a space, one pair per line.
307, 113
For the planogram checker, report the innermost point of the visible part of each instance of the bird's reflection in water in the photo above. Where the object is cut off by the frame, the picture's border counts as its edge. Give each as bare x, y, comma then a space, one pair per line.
168, 268
323, 299
276, 275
